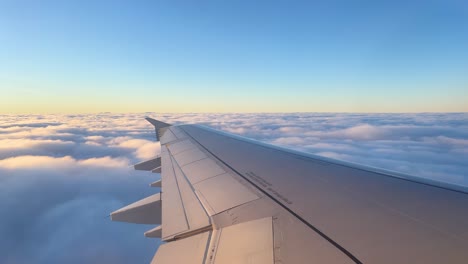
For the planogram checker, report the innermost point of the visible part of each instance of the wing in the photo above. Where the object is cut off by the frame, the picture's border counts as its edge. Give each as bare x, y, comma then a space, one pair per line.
228, 199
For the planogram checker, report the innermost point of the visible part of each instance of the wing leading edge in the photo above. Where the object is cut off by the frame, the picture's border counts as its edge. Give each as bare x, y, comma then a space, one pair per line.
227, 199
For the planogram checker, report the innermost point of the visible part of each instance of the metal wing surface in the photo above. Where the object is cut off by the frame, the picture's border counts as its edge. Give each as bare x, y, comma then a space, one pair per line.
228, 199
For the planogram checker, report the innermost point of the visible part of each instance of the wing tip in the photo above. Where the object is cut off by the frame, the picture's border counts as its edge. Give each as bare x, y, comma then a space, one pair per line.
158, 124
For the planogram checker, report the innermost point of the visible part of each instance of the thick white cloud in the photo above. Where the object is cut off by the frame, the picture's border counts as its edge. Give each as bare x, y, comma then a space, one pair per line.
425, 145
60, 175
58, 182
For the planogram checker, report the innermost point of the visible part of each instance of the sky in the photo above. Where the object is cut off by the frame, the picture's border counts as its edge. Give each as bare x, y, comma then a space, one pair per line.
379, 83
61, 175
233, 56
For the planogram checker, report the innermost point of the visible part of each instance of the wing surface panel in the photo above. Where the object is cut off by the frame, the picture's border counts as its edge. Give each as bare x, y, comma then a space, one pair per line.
189, 156
202, 169
191, 250
223, 192
181, 146
375, 218
196, 215
235, 243
174, 220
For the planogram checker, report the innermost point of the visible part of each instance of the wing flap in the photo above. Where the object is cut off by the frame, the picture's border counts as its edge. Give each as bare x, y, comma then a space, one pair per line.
196, 215
174, 220
249, 242
190, 250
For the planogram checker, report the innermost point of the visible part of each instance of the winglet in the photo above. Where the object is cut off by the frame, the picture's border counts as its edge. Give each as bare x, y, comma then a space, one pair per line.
157, 126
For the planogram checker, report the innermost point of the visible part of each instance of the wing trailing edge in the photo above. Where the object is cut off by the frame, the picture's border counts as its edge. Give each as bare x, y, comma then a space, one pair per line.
145, 211
149, 165
155, 232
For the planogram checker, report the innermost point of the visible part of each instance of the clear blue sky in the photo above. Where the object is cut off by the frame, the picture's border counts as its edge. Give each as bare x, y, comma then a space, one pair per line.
235, 56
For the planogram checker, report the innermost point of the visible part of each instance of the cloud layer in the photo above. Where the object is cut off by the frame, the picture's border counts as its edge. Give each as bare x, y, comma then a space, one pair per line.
60, 175
427, 145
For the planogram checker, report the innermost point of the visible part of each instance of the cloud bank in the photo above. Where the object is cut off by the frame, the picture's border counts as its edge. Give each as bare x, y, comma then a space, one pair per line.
60, 175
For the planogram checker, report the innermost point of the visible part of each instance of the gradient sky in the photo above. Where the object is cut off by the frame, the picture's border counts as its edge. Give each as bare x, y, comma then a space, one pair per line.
233, 56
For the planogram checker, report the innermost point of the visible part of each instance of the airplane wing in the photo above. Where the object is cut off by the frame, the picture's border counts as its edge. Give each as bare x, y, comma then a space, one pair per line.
228, 199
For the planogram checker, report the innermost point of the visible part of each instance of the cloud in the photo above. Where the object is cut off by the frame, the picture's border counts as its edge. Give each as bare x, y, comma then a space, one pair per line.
428, 145
60, 175
37, 162
58, 183
359, 132
288, 141
144, 149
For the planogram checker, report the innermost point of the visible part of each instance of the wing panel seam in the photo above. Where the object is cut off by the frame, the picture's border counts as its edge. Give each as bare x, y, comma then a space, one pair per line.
178, 191
189, 184
338, 246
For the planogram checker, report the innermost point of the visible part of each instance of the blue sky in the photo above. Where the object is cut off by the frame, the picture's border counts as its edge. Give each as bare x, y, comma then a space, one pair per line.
233, 56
